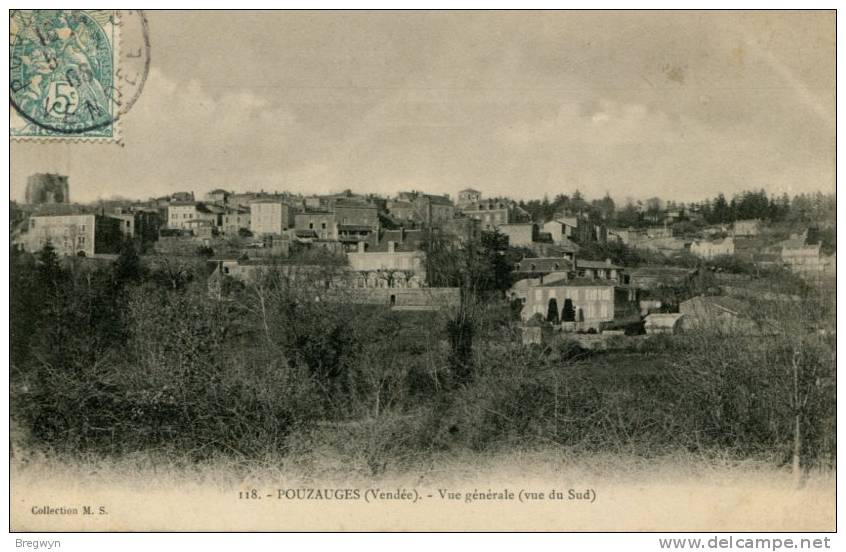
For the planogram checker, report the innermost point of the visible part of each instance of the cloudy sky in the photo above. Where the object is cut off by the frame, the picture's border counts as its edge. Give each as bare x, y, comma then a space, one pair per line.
681, 105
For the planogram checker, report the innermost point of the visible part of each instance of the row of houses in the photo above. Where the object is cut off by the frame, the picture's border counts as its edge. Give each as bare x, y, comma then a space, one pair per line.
88, 234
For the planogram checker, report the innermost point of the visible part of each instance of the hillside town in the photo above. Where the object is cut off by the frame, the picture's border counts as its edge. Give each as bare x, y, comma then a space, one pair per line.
569, 266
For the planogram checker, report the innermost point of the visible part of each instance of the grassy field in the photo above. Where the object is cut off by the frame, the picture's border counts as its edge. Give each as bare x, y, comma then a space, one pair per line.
668, 493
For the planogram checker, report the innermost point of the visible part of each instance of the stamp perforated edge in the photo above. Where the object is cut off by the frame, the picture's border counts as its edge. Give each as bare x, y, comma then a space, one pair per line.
117, 135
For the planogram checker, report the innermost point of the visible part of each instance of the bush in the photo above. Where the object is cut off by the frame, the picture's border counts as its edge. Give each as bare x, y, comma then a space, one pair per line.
264, 368
205, 251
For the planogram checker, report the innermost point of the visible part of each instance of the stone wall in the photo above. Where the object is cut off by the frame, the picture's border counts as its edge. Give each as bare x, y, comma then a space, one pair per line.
406, 298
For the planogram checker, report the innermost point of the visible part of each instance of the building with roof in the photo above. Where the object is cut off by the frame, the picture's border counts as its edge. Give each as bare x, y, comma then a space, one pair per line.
522, 234
394, 289
576, 228
539, 266
181, 214
73, 235
138, 222
462, 229
564, 248
322, 225
219, 196
270, 216
403, 238
235, 219
659, 232
468, 196
801, 257
577, 304
496, 211
717, 313
181, 197
663, 323
392, 260
355, 222
652, 277
126, 222
746, 228
601, 270
712, 249
421, 208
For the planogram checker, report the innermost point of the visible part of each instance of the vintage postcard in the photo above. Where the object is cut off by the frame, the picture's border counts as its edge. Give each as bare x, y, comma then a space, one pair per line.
422, 271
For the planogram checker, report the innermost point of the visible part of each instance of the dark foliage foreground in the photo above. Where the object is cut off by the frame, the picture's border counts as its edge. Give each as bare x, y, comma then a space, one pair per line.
123, 359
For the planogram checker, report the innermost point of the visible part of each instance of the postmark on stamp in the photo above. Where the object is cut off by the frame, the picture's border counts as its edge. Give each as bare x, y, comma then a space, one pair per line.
73, 74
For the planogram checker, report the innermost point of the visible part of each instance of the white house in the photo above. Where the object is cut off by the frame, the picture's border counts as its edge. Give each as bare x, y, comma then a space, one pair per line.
711, 249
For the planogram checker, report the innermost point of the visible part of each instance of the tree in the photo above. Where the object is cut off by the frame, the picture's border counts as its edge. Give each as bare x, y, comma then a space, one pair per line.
569, 312
205, 251
493, 269
127, 267
552, 311
604, 207
460, 330
628, 215
753, 205
446, 260
720, 212
654, 209
25, 302
578, 203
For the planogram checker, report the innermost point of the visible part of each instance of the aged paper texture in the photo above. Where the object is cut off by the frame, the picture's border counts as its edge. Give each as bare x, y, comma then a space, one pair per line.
422, 270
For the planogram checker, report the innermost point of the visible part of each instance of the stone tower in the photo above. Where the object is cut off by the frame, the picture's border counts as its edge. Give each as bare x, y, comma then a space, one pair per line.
47, 188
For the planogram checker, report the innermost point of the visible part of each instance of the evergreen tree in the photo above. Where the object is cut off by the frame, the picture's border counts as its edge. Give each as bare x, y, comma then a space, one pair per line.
720, 212
552, 312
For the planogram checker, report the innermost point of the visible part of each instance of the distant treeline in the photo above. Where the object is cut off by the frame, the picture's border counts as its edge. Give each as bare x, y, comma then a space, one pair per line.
753, 204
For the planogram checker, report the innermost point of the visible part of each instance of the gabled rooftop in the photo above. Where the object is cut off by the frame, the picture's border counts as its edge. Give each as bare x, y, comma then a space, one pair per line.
583, 263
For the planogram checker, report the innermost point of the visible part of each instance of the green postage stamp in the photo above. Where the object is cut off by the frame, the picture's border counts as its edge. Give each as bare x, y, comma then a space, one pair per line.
67, 73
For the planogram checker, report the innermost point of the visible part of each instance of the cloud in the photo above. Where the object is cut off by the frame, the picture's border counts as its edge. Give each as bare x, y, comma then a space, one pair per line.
201, 138
606, 122
521, 104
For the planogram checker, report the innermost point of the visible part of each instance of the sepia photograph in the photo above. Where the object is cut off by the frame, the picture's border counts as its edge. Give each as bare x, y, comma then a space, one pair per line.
422, 271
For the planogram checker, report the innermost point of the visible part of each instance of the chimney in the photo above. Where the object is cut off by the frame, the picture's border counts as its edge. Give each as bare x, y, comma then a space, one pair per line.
392, 245
361, 247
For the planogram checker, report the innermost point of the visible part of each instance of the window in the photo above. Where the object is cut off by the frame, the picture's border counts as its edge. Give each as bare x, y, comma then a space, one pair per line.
323, 225
311, 226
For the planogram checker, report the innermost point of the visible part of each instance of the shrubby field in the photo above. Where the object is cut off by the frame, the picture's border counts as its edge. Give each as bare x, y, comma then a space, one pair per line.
135, 360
